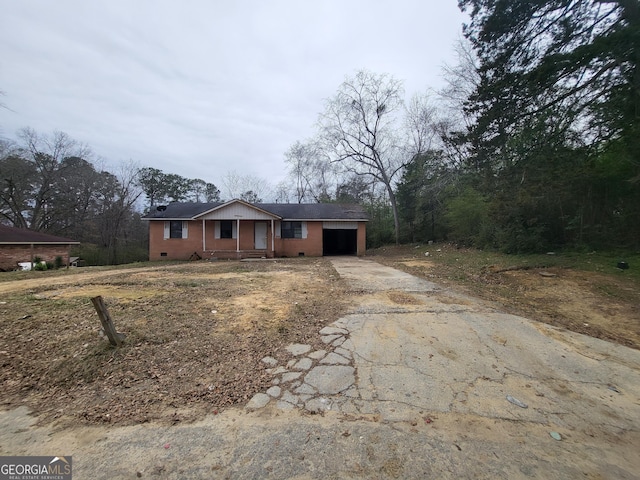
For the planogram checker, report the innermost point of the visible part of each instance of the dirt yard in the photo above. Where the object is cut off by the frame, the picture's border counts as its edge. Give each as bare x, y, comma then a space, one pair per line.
195, 335
196, 332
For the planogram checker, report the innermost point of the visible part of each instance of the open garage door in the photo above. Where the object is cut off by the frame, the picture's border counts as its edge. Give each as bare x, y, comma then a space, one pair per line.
340, 238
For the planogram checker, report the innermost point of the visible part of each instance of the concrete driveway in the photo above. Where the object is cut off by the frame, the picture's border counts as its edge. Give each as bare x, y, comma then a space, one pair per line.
416, 382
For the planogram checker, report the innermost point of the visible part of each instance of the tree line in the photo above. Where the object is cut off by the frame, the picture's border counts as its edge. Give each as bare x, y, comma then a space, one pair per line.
48, 184
53, 184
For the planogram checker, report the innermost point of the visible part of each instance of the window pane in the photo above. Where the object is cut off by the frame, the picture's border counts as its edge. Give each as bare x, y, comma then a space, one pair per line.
226, 229
291, 230
285, 230
175, 229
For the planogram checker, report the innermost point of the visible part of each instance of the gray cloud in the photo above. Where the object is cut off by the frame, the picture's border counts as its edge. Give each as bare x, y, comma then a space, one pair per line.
201, 87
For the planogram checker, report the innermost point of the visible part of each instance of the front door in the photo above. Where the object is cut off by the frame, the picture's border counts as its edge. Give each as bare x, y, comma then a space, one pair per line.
260, 235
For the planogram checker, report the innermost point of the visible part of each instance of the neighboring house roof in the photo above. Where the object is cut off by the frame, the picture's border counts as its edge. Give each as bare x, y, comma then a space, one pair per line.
22, 236
285, 211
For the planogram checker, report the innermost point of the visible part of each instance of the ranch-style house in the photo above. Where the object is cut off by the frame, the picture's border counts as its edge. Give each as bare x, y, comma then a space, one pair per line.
238, 229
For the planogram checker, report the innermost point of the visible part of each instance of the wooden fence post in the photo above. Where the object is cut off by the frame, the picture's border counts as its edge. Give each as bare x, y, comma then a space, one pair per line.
109, 328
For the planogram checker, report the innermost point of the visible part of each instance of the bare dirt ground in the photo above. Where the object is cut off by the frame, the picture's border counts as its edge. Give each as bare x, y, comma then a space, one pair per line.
196, 332
195, 335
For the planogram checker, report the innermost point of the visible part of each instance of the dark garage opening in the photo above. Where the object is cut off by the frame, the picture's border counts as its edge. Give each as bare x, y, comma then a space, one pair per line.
339, 242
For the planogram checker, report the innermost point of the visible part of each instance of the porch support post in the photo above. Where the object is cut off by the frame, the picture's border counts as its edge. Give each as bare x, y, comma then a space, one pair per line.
238, 235
204, 240
273, 237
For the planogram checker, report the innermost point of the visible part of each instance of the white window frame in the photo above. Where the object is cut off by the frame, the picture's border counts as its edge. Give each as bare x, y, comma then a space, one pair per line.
234, 229
167, 230
303, 230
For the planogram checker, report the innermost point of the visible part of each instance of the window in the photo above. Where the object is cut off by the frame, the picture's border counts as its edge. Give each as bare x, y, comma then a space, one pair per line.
175, 229
226, 228
291, 229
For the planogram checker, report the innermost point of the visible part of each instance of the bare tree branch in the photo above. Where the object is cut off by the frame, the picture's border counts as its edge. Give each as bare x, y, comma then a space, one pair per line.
360, 129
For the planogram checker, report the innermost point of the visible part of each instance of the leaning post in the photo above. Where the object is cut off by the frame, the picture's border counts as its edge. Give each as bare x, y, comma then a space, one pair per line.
109, 328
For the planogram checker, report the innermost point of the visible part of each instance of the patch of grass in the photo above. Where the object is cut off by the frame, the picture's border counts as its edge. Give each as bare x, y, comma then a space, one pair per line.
605, 262
188, 284
462, 262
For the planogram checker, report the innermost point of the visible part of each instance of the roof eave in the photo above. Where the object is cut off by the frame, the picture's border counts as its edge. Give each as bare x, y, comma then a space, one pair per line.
276, 217
170, 218
287, 219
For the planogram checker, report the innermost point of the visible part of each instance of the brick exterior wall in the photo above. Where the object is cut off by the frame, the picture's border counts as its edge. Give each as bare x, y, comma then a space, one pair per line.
182, 248
362, 238
310, 246
11, 255
174, 248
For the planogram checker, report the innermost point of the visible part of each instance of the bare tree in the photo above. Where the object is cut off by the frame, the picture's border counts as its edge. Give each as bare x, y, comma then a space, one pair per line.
299, 161
462, 80
420, 125
120, 192
323, 178
7, 147
2, 105
282, 192
312, 174
239, 186
359, 130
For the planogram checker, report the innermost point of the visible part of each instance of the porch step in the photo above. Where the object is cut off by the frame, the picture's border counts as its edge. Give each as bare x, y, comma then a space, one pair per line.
253, 253
235, 255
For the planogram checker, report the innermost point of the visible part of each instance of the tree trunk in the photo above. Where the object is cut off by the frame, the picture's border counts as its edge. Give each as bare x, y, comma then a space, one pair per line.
394, 209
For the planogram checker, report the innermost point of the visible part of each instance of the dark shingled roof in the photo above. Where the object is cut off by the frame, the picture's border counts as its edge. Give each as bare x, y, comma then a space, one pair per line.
293, 211
316, 211
12, 235
184, 210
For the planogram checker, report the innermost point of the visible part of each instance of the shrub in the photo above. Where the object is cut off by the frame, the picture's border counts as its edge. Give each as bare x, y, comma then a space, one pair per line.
467, 217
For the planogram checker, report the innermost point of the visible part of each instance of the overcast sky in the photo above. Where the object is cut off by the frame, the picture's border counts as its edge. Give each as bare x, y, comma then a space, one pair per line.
202, 87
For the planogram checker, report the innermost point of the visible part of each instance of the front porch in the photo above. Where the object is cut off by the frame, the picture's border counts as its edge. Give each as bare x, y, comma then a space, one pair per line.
238, 231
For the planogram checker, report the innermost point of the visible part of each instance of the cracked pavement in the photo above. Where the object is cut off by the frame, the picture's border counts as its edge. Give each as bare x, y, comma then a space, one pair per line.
442, 352
416, 382
431, 350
